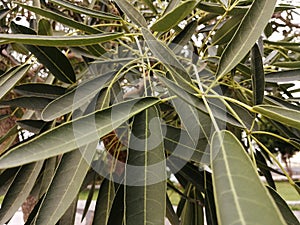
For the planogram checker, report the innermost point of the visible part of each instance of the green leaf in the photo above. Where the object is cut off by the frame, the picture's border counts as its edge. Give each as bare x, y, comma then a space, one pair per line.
60, 41
72, 135
145, 190
282, 43
239, 193
40, 90
225, 33
34, 103
51, 57
75, 98
285, 210
172, 4
283, 115
19, 190
283, 76
219, 9
149, 3
258, 76
179, 143
170, 213
218, 108
86, 11
290, 65
247, 34
184, 36
174, 17
61, 19
168, 58
104, 202
44, 27
132, 13
66, 184
9, 79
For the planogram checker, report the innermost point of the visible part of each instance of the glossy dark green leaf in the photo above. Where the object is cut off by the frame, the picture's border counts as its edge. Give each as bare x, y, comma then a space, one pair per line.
145, 190
233, 207
45, 27
61, 19
34, 103
86, 11
132, 13
9, 79
57, 63
174, 17
283, 115
19, 190
283, 76
40, 90
258, 76
72, 135
247, 34
226, 32
285, 210
60, 41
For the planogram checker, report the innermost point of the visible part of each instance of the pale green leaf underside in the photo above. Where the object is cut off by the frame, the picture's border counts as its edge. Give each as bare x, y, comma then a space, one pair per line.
283, 115
60, 41
247, 34
74, 134
237, 185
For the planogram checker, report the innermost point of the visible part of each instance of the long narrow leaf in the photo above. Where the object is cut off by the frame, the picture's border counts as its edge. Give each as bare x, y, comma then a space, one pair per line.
258, 76
72, 135
9, 79
283, 76
236, 183
86, 11
247, 34
283, 115
133, 14
104, 202
60, 41
61, 19
174, 17
66, 184
19, 190
145, 171
51, 57
75, 98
